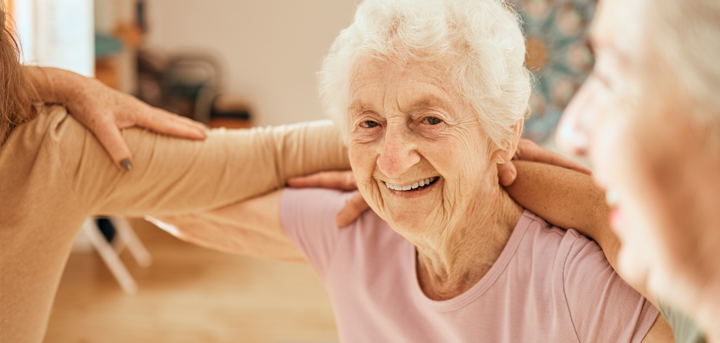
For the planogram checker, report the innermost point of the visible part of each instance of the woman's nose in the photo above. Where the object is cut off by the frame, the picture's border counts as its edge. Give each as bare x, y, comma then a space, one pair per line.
572, 134
398, 153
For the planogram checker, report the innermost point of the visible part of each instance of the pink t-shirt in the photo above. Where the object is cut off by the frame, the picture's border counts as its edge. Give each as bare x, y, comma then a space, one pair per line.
548, 285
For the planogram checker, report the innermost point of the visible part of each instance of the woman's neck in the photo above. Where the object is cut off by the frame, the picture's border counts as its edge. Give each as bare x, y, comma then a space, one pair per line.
450, 263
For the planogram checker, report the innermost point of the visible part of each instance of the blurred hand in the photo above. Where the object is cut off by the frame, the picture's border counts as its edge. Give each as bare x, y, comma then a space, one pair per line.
529, 151
106, 111
344, 180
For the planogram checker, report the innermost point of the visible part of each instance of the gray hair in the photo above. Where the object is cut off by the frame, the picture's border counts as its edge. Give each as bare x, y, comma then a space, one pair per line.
686, 34
481, 40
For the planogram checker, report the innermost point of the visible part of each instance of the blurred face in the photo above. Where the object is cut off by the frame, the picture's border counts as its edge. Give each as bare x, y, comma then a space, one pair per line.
419, 155
637, 133
598, 122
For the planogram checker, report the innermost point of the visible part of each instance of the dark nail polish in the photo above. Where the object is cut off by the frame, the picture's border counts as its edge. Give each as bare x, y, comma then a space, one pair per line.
126, 164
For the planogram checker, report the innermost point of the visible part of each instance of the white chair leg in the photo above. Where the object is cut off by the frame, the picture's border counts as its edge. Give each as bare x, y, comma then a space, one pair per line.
109, 256
133, 243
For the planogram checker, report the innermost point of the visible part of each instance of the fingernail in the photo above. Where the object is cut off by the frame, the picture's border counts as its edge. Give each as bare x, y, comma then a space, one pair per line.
126, 164
506, 177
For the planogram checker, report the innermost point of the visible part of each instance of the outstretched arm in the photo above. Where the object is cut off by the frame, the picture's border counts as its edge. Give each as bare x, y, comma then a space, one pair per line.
54, 173
251, 227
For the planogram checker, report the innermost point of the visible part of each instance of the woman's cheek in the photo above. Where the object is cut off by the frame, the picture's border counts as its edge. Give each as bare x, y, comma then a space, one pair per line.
363, 156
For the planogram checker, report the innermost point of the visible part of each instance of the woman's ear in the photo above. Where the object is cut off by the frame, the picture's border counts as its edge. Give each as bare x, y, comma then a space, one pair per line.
501, 156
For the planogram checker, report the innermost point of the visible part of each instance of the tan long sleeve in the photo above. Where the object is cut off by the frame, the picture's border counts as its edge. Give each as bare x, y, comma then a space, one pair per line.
54, 174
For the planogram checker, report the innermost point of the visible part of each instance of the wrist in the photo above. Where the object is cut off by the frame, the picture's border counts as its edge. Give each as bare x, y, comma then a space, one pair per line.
57, 85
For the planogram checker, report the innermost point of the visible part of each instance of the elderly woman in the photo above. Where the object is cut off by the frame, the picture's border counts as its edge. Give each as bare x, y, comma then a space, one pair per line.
430, 98
649, 119
436, 94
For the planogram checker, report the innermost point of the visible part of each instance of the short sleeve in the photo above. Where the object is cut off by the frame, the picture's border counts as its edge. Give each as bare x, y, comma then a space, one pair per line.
603, 307
308, 218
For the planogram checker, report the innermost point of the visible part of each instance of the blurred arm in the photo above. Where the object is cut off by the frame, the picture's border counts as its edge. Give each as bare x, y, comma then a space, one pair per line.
567, 199
54, 174
251, 227
570, 199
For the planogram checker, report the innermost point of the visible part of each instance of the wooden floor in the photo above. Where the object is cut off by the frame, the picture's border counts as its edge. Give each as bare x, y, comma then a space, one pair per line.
190, 294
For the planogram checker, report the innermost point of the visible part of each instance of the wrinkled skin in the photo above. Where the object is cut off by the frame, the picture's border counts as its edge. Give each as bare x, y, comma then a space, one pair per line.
407, 125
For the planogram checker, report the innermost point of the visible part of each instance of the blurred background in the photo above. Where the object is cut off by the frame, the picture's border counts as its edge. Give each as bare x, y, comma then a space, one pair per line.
235, 64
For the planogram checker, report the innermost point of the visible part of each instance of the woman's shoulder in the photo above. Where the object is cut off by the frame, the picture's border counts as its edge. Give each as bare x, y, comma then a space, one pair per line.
48, 118
560, 245
324, 204
320, 206
542, 228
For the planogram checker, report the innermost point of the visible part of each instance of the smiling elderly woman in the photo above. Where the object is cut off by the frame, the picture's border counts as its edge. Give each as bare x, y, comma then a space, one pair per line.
430, 97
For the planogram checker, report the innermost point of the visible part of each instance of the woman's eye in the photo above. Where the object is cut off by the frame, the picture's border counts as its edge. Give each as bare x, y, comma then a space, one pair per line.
432, 120
369, 124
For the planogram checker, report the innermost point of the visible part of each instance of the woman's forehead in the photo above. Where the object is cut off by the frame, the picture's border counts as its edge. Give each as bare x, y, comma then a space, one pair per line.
618, 27
372, 75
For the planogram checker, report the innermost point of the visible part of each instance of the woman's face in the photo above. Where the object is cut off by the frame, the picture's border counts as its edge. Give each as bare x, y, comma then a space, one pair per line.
419, 155
638, 138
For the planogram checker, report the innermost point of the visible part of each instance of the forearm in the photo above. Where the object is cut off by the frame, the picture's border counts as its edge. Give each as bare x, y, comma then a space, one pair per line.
567, 199
252, 227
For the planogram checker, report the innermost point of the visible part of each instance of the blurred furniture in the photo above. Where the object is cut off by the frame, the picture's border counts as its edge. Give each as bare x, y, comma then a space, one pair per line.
124, 237
119, 33
231, 111
190, 84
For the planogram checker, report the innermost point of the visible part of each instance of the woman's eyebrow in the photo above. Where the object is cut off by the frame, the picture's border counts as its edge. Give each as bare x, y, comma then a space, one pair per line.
426, 102
359, 107
430, 102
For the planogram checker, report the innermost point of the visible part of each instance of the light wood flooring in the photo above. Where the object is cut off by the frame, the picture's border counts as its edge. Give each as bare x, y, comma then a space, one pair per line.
190, 294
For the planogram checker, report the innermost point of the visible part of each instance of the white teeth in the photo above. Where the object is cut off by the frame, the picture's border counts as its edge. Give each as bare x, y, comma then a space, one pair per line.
415, 185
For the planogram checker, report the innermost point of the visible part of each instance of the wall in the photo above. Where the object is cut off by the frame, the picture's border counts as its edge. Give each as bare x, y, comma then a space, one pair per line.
270, 49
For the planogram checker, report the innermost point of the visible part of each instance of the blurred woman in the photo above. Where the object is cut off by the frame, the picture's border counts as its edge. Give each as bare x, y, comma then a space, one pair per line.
649, 118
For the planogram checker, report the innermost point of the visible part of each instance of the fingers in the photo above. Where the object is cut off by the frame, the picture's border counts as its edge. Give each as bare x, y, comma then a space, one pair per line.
342, 180
529, 151
351, 211
110, 138
169, 124
507, 174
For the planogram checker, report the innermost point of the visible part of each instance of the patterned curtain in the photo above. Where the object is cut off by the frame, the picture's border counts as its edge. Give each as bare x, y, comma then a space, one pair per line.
558, 55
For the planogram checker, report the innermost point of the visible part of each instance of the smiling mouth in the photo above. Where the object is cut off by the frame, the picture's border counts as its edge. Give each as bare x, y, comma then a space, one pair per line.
415, 186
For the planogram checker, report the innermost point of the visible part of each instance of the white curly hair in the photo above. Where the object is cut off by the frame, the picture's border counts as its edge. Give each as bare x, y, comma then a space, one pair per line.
480, 39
